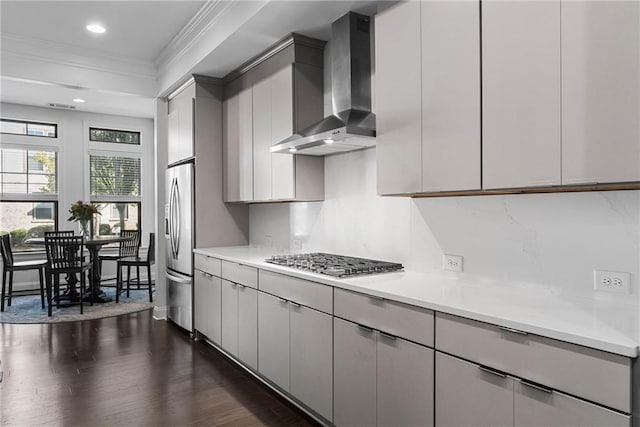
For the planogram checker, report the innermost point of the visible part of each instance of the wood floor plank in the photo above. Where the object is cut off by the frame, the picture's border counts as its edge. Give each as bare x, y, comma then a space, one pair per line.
128, 370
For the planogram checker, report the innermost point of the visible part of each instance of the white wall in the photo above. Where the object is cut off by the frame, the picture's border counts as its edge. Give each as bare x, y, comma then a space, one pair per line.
551, 240
73, 182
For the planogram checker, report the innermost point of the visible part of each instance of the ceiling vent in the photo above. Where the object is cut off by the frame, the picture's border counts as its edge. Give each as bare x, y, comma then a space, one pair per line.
63, 106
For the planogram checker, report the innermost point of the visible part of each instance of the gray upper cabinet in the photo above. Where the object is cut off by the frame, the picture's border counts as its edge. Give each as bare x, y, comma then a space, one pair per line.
280, 94
520, 94
180, 125
600, 91
428, 97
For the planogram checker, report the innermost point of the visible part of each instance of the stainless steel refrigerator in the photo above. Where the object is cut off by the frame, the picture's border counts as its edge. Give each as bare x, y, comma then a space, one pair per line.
179, 237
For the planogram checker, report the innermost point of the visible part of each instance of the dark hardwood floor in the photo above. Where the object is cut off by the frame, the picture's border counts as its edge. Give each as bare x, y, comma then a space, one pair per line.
128, 370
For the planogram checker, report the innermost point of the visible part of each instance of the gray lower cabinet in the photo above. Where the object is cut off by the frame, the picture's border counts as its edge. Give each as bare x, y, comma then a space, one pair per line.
380, 379
535, 406
295, 351
468, 394
239, 322
207, 301
273, 339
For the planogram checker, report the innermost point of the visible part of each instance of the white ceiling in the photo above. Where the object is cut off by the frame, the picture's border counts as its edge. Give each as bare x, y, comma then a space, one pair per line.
47, 56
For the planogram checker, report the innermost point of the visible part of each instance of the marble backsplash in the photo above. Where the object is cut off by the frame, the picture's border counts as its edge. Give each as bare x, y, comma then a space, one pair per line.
553, 240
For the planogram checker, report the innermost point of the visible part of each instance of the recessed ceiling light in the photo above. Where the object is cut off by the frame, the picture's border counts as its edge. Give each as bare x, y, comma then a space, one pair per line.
79, 100
328, 141
292, 150
96, 28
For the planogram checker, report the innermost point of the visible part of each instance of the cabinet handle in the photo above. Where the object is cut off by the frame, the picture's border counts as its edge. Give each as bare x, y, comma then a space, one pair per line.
241, 286
388, 336
295, 304
233, 284
515, 331
376, 297
365, 328
492, 371
282, 300
536, 386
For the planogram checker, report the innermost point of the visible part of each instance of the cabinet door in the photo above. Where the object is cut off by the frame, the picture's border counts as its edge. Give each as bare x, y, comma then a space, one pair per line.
180, 126
229, 310
248, 326
238, 147
354, 388
450, 95
404, 383
535, 406
273, 339
398, 99
312, 359
467, 395
520, 94
201, 295
282, 164
262, 140
600, 91
213, 307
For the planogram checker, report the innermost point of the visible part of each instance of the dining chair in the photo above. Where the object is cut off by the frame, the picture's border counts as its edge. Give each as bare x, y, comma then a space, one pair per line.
9, 266
65, 256
137, 261
126, 248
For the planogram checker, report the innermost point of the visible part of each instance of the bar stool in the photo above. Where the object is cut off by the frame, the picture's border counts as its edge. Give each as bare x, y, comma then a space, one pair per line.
65, 256
9, 266
137, 261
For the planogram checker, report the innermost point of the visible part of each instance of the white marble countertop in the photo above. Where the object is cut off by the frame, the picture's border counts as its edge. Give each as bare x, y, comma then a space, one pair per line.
599, 324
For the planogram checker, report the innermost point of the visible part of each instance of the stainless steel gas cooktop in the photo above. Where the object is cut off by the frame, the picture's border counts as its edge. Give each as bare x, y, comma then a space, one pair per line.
334, 265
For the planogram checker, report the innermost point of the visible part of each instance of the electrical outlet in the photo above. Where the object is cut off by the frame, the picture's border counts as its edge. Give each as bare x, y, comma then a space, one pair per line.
452, 263
612, 281
268, 241
297, 244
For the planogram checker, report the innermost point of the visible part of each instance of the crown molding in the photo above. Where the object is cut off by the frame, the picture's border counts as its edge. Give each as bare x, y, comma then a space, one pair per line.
49, 52
209, 15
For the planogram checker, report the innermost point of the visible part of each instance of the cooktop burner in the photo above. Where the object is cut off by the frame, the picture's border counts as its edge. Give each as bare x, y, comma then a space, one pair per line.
334, 265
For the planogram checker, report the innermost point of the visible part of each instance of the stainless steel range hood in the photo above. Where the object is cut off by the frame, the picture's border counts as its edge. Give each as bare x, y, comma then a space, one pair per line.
352, 126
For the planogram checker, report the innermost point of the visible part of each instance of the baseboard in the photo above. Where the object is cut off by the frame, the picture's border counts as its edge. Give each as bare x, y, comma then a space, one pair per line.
160, 313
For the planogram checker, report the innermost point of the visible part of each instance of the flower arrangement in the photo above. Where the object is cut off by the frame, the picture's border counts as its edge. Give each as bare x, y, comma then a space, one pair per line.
81, 211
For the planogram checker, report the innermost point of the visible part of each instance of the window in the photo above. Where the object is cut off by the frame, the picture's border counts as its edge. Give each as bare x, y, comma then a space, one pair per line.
24, 171
117, 216
29, 192
21, 127
25, 220
115, 188
116, 136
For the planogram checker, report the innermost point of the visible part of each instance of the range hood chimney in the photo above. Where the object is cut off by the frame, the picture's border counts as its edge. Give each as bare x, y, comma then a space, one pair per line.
352, 126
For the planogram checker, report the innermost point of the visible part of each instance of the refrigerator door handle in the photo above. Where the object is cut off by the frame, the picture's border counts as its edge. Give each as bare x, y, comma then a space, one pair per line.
178, 225
177, 279
172, 218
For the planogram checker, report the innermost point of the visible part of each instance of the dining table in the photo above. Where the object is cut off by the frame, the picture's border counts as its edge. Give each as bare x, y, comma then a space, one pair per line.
93, 244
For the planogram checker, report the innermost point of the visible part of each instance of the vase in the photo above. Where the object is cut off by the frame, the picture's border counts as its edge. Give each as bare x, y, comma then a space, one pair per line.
85, 229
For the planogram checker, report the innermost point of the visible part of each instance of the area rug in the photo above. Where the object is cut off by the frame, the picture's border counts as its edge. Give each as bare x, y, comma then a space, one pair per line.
27, 309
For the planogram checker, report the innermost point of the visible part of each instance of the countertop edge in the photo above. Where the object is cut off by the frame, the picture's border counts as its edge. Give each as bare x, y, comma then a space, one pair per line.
631, 351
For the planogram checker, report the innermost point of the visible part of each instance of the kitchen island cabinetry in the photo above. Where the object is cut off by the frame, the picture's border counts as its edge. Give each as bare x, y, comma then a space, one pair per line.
428, 97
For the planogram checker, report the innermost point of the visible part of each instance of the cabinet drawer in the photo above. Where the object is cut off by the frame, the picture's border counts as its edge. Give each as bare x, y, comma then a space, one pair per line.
240, 273
314, 295
403, 320
592, 374
207, 264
